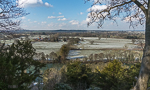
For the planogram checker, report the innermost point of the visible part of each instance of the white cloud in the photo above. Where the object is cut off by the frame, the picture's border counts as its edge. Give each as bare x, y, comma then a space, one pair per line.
28, 19
81, 13
60, 16
88, 19
43, 22
127, 19
97, 8
52, 25
51, 17
1, 14
84, 22
32, 3
94, 9
62, 24
60, 13
63, 19
35, 21
48, 5
22, 17
74, 22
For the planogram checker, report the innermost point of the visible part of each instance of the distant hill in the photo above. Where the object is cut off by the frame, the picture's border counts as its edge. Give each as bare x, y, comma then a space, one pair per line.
67, 31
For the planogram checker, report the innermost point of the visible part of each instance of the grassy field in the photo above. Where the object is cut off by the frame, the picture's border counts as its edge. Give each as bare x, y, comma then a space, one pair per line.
47, 47
105, 43
86, 47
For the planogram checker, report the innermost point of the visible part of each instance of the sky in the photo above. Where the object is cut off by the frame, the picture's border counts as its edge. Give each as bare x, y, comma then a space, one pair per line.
65, 15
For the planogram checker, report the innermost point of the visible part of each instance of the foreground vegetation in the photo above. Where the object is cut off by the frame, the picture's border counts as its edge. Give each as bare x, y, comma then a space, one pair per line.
104, 76
19, 71
15, 67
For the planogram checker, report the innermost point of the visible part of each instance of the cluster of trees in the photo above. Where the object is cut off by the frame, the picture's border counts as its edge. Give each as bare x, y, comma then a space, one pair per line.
54, 39
141, 11
78, 76
62, 54
50, 39
139, 42
116, 77
17, 58
75, 76
125, 56
17, 68
59, 57
91, 42
103, 34
64, 50
125, 10
73, 41
132, 37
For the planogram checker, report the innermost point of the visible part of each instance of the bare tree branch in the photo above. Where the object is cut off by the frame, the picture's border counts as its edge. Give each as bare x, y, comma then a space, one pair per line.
126, 9
136, 12
10, 10
145, 2
140, 6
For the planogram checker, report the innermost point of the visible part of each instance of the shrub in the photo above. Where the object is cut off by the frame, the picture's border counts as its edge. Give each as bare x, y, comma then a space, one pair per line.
50, 78
64, 50
116, 77
94, 88
62, 86
15, 61
79, 75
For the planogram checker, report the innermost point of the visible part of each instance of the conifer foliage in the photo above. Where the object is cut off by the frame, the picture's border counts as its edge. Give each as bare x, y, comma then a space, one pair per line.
116, 77
17, 67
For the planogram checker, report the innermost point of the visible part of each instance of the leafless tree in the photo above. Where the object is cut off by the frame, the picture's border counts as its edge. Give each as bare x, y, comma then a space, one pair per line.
9, 10
133, 41
46, 56
43, 56
136, 12
141, 43
99, 37
51, 77
96, 56
91, 42
91, 57
101, 56
53, 56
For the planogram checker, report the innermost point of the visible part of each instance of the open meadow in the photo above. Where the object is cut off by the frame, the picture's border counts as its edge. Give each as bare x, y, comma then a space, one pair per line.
84, 48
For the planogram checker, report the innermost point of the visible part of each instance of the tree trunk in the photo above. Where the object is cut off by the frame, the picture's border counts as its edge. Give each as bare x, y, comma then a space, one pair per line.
143, 78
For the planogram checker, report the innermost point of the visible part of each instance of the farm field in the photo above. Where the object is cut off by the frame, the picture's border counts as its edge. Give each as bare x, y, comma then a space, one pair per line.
7, 42
105, 43
85, 47
47, 47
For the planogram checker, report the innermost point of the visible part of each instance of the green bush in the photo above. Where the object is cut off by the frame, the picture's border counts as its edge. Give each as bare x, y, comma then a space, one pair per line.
94, 88
17, 67
115, 77
64, 50
79, 75
62, 86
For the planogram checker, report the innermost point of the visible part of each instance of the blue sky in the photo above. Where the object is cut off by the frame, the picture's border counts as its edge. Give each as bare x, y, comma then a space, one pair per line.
63, 14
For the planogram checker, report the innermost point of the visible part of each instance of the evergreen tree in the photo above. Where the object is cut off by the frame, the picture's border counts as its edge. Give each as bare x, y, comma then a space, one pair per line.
116, 77
17, 66
79, 76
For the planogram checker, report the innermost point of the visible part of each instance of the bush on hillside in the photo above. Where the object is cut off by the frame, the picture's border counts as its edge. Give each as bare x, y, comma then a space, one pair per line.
62, 86
115, 77
79, 75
